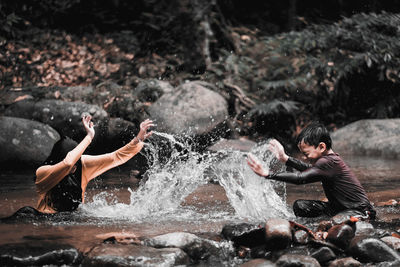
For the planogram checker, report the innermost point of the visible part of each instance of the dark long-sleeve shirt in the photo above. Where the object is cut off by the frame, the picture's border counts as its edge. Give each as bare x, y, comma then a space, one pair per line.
341, 186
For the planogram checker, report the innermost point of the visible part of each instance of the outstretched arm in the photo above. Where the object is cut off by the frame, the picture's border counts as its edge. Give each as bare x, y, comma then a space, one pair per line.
309, 176
93, 166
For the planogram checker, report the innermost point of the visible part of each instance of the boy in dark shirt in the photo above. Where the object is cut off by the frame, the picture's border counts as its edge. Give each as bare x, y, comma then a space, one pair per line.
342, 189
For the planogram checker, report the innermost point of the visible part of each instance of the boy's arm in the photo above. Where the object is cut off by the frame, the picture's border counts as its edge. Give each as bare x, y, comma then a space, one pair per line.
310, 175
297, 164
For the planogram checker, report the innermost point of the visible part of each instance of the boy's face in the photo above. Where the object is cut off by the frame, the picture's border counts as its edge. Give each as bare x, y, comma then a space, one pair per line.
311, 152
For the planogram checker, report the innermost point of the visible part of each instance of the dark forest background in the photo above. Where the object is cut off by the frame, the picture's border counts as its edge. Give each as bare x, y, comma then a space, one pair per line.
280, 64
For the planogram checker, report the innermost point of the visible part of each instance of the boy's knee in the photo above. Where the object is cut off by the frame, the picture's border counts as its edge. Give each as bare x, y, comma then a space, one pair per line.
299, 208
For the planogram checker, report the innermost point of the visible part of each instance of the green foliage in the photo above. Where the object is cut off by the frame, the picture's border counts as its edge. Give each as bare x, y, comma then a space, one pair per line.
8, 22
276, 118
273, 108
328, 53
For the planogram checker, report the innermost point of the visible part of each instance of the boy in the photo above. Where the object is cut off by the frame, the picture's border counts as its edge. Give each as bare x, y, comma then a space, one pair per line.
342, 189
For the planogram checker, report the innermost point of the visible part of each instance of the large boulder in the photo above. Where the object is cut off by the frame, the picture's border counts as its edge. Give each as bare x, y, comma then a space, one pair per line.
369, 249
39, 254
134, 255
152, 89
25, 141
373, 137
65, 117
191, 109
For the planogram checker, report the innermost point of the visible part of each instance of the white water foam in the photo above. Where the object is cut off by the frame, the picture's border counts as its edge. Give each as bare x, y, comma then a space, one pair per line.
176, 171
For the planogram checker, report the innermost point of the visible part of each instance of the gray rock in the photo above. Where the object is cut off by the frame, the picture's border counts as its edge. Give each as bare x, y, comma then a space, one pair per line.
392, 242
278, 232
178, 240
65, 117
301, 237
197, 248
25, 141
345, 262
368, 249
39, 254
258, 263
364, 228
192, 109
323, 255
289, 260
134, 255
379, 137
151, 90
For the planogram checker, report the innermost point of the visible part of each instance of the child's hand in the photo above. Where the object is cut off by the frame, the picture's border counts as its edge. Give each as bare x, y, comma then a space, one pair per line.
256, 166
88, 124
276, 148
144, 126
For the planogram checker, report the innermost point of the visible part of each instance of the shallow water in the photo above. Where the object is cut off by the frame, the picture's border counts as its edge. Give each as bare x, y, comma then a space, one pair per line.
180, 194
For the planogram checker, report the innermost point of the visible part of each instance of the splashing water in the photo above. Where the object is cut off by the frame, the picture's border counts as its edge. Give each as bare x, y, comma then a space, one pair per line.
251, 196
176, 171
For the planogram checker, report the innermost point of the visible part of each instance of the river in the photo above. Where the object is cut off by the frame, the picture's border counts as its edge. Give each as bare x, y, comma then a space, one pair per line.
190, 192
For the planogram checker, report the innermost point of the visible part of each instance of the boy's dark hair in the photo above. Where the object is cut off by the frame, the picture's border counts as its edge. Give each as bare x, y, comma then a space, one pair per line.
314, 134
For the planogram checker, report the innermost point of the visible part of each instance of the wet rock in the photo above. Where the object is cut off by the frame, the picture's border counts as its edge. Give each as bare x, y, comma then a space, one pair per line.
346, 216
25, 141
192, 109
368, 249
345, 262
152, 89
392, 242
364, 228
391, 202
340, 235
323, 255
278, 232
104, 94
197, 248
120, 132
39, 254
301, 237
377, 137
119, 237
262, 251
178, 240
292, 250
288, 260
324, 226
65, 117
258, 263
72, 93
244, 234
134, 255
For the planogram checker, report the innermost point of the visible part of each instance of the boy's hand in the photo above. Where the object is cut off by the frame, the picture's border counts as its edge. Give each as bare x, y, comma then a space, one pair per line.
276, 148
144, 126
256, 166
88, 124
